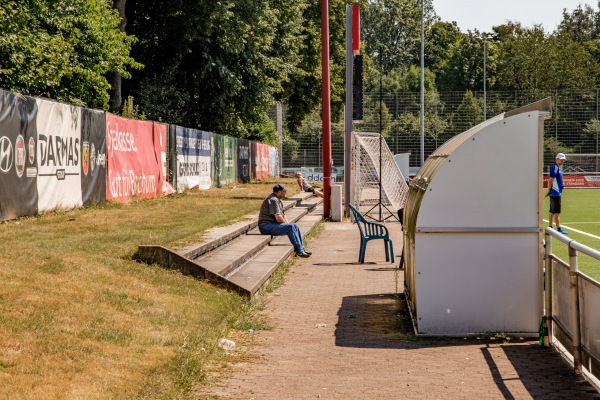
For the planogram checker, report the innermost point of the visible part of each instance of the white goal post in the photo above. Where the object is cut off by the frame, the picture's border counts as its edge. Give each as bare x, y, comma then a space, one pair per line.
380, 190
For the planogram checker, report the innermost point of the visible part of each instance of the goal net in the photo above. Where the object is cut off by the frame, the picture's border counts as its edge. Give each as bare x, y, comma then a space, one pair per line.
380, 190
582, 171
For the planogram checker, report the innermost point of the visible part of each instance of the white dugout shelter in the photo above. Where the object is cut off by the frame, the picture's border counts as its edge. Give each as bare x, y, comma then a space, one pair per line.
473, 229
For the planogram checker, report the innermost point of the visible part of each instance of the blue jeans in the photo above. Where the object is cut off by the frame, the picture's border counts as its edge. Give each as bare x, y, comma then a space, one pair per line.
291, 230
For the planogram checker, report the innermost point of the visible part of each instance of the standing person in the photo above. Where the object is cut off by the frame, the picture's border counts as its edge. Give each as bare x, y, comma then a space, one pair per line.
555, 188
305, 186
272, 221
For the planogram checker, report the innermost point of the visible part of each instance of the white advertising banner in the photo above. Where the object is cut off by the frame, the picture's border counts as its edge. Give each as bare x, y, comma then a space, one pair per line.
193, 158
58, 156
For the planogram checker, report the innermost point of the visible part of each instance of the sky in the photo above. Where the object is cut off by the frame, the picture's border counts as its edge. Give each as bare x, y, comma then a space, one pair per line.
483, 14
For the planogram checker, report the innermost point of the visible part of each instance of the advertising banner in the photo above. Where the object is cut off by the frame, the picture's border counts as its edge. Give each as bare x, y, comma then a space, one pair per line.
136, 159
193, 158
316, 176
578, 181
224, 160
18, 168
58, 156
273, 153
243, 160
262, 161
93, 157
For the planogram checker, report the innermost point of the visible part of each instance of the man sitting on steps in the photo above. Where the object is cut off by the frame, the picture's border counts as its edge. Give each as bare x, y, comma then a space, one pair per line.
272, 221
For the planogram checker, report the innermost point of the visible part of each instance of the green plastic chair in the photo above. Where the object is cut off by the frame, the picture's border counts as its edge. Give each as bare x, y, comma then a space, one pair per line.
371, 231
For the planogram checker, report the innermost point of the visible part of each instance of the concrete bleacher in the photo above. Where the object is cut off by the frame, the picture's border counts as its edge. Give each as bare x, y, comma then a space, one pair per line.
238, 257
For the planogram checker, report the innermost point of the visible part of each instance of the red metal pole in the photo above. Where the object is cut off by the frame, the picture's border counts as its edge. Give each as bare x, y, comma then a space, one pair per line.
326, 109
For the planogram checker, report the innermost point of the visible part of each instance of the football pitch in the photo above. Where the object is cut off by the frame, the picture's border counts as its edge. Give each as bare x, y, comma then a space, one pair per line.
580, 217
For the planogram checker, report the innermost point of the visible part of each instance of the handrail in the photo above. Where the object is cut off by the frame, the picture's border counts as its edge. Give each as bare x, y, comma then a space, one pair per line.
574, 248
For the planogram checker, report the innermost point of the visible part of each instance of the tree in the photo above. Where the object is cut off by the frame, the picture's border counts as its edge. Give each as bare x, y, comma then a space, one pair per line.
396, 24
530, 60
62, 50
468, 114
302, 93
439, 44
211, 65
115, 78
463, 69
582, 23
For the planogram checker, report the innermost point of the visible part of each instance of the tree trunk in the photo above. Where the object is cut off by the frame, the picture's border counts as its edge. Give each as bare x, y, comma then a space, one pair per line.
114, 78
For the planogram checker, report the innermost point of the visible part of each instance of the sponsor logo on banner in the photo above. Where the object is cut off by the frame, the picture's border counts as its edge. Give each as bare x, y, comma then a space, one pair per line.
120, 141
6, 154
92, 157
101, 159
85, 157
20, 156
31, 150
243, 153
60, 174
59, 151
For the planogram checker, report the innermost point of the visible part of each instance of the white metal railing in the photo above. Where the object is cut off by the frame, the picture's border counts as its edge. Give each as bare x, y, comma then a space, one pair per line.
572, 304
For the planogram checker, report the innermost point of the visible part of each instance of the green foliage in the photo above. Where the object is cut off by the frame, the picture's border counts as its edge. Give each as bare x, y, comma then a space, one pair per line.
131, 110
529, 59
468, 114
399, 80
396, 24
552, 146
221, 66
62, 50
589, 138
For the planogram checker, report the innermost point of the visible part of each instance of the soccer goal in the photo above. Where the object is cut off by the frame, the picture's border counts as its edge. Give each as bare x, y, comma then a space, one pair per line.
582, 171
380, 190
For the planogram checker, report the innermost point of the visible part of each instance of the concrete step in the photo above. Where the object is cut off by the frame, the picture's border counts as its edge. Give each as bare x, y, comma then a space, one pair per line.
237, 256
230, 256
252, 275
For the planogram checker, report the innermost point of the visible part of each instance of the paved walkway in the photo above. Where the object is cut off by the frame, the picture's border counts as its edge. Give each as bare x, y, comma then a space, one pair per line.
353, 356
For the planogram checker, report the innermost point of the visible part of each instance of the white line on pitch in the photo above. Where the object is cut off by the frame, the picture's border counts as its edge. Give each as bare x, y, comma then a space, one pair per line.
577, 230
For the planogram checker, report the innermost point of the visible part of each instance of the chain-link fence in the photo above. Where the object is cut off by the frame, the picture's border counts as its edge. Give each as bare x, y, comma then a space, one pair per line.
573, 128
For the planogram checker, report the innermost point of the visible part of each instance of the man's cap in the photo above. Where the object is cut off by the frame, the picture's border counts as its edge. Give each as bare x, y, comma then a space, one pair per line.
561, 156
279, 187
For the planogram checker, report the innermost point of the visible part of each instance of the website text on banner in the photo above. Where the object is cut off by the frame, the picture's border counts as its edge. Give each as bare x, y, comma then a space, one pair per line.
578, 181
137, 159
193, 158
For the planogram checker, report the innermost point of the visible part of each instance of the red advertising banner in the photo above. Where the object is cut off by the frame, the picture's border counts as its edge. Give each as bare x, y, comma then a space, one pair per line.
578, 181
136, 159
262, 158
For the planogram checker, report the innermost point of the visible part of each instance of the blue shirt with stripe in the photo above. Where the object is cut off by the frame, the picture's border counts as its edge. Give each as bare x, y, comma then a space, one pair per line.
557, 183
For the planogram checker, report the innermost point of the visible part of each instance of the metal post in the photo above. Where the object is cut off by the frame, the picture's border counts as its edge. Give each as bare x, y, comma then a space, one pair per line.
548, 287
349, 112
573, 274
396, 117
380, 124
326, 107
422, 82
484, 82
556, 113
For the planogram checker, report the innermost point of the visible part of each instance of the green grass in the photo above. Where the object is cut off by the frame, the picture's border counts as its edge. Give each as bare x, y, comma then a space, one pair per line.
80, 318
581, 212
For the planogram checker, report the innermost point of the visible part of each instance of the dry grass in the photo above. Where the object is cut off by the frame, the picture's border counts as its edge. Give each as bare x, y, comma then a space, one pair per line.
80, 319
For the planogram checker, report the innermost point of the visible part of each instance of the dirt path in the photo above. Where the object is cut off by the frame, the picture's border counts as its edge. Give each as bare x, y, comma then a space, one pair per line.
354, 356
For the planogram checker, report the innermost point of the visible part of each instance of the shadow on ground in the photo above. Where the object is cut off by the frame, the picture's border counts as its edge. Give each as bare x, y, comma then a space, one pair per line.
383, 321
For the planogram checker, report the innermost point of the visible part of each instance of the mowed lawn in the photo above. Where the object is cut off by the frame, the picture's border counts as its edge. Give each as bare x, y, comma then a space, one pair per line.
580, 217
